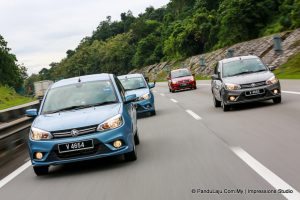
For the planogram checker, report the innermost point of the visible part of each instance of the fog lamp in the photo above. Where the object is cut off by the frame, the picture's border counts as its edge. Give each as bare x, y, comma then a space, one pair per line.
275, 91
117, 143
231, 98
38, 155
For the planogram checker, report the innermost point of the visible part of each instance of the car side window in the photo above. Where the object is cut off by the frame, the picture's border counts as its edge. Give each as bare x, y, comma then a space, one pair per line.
120, 88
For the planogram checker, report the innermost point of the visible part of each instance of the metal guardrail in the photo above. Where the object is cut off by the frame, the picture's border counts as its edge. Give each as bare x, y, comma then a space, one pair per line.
17, 111
13, 135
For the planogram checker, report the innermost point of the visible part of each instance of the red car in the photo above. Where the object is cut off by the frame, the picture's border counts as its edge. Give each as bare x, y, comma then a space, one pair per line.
181, 79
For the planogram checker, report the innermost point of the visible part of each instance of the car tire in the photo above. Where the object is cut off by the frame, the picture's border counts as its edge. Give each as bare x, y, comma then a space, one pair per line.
41, 170
216, 102
277, 100
136, 138
130, 156
195, 88
225, 107
152, 113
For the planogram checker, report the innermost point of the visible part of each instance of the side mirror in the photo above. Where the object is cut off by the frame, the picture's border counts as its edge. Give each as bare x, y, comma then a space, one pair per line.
272, 68
151, 85
214, 77
130, 98
168, 78
31, 113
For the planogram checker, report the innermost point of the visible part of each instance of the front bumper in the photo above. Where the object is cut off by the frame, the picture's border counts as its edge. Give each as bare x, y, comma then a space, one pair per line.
102, 147
242, 95
145, 105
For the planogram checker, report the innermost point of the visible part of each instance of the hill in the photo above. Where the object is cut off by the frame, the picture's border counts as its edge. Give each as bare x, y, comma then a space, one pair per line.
9, 98
287, 60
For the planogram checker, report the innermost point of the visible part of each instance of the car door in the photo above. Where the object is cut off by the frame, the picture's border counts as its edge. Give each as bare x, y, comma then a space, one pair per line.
217, 83
131, 107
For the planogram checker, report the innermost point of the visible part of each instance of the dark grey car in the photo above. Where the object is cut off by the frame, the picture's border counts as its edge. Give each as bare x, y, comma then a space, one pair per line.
242, 80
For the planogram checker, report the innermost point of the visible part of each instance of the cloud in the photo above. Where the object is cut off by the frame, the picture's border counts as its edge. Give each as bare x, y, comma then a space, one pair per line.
41, 31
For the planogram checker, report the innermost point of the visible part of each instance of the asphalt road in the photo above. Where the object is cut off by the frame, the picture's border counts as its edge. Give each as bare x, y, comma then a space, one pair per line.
187, 147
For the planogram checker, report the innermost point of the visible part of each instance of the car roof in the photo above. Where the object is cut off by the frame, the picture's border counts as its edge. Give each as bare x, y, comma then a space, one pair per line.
83, 79
130, 76
174, 70
227, 60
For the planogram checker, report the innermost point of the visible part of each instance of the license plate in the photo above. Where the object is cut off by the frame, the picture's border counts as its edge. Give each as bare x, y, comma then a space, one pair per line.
254, 92
183, 84
75, 146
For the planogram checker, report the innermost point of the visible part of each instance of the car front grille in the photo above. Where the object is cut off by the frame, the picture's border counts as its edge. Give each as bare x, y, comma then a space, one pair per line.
80, 131
253, 85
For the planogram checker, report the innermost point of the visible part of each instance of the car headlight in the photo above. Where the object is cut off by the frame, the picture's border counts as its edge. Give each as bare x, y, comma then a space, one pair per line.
230, 86
272, 80
174, 82
144, 97
39, 134
111, 123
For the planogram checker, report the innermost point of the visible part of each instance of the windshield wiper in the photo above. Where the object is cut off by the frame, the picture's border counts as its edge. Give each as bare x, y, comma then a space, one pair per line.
261, 70
248, 72
81, 107
100, 104
136, 88
65, 109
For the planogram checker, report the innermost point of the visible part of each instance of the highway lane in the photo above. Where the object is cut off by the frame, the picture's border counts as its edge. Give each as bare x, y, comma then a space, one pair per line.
179, 153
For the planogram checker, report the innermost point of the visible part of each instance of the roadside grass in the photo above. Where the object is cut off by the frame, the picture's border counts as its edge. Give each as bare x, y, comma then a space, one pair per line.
9, 98
291, 69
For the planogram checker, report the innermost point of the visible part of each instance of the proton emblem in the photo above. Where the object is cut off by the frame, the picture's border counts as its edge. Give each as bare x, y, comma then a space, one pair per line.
253, 85
74, 132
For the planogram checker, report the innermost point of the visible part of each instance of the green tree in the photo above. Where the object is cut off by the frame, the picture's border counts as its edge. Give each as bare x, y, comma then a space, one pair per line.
10, 73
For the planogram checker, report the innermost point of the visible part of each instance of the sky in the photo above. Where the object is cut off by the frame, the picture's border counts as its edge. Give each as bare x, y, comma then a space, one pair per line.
41, 31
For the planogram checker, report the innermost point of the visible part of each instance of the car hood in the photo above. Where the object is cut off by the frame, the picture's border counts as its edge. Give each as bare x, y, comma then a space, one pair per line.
138, 92
182, 78
249, 78
76, 118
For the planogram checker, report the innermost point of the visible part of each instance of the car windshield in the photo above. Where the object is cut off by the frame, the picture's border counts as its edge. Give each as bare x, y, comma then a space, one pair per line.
133, 83
243, 66
180, 73
80, 95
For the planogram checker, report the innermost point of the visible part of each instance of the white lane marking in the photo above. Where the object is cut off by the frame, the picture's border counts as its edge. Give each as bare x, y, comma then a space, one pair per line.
175, 101
290, 92
14, 174
197, 117
264, 172
203, 84
162, 94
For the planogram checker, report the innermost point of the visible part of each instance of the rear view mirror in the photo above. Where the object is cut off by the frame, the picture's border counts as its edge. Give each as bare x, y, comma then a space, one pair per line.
130, 98
31, 113
272, 68
214, 77
151, 85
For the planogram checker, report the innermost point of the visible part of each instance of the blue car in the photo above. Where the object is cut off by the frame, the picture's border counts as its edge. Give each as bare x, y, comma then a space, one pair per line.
83, 118
135, 84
